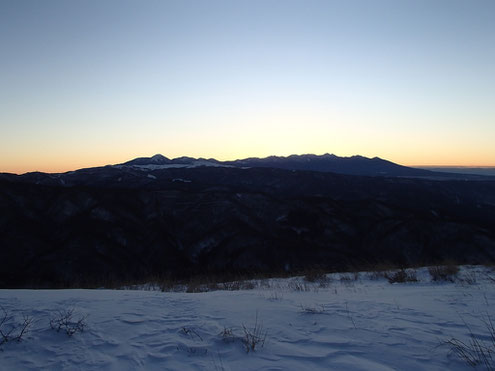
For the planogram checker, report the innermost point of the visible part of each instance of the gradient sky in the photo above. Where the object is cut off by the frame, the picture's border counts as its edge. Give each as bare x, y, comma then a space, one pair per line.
87, 83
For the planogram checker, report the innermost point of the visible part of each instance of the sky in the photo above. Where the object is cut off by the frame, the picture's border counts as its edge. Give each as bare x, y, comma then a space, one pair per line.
95, 82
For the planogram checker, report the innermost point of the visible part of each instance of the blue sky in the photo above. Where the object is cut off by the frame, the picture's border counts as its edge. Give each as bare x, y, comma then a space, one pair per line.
85, 83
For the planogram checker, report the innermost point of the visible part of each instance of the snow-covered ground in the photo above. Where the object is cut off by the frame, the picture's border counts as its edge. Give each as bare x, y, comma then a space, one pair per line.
188, 165
337, 325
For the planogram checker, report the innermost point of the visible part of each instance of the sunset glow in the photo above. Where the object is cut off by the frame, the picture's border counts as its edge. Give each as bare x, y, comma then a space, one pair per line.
90, 83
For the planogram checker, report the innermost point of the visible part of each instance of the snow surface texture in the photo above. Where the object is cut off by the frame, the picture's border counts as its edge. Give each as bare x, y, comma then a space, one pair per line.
192, 164
341, 324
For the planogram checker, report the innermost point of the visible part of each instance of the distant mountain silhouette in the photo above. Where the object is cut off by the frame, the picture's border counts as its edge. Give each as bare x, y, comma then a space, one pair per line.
135, 172
354, 165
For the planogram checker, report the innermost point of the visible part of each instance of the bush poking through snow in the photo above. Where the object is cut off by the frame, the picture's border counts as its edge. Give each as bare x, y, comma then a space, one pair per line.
66, 322
377, 275
469, 278
237, 285
254, 338
444, 272
10, 331
349, 279
315, 275
197, 286
298, 286
480, 350
227, 335
402, 276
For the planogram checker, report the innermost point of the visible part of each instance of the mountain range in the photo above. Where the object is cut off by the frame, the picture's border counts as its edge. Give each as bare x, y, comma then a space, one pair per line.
354, 165
182, 217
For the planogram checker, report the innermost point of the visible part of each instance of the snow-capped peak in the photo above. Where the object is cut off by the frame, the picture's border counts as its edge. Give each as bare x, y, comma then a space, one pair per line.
158, 158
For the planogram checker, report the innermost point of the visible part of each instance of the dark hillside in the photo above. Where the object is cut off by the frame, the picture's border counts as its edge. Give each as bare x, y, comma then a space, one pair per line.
109, 223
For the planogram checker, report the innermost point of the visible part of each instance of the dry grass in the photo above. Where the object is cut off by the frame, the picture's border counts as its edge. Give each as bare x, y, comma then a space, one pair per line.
447, 273
315, 275
254, 338
479, 350
298, 286
402, 276
349, 279
10, 330
227, 335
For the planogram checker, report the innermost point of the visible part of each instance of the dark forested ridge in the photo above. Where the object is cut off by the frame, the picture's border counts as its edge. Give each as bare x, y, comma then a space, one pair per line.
126, 223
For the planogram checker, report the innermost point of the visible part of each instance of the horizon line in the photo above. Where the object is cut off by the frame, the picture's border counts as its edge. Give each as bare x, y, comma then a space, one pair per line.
76, 168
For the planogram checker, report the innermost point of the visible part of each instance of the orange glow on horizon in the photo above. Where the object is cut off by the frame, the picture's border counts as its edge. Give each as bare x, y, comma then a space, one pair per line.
62, 165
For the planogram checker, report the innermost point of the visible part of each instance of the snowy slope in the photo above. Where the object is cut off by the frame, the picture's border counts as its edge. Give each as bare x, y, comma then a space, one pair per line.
344, 325
190, 165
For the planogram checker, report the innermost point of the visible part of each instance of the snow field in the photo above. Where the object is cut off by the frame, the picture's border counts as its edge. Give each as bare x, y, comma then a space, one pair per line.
339, 324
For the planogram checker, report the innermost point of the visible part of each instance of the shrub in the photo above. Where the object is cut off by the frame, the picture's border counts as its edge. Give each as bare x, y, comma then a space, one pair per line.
65, 321
444, 272
254, 338
239, 285
12, 331
195, 286
402, 276
227, 335
349, 278
298, 286
377, 275
469, 278
315, 275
